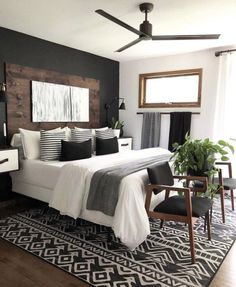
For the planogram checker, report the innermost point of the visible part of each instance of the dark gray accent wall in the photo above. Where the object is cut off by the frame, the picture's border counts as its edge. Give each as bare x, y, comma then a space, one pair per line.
22, 49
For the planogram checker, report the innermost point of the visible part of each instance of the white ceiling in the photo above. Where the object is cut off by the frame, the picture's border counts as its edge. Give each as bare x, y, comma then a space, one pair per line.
74, 23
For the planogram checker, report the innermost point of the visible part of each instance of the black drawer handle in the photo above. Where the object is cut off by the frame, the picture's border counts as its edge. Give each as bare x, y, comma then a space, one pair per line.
4, 160
125, 144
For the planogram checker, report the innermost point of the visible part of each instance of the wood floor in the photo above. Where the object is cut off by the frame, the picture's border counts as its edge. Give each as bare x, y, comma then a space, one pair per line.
226, 275
22, 269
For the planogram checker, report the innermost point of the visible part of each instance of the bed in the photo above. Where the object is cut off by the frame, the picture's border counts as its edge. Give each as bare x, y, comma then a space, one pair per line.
60, 185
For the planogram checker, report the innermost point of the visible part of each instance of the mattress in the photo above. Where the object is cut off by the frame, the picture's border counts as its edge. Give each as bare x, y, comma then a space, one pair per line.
36, 178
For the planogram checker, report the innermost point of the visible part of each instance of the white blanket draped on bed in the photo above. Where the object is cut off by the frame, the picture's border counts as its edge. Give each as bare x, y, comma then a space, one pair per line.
130, 222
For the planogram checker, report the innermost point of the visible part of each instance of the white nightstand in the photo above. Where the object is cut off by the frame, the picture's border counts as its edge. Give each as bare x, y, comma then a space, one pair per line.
125, 143
9, 161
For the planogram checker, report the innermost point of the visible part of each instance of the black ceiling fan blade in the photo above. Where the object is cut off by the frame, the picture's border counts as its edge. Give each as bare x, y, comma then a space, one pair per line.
186, 37
129, 45
119, 22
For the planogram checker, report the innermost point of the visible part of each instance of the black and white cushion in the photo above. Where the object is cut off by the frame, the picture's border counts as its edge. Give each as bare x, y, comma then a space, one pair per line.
104, 134
50, 145
80, 135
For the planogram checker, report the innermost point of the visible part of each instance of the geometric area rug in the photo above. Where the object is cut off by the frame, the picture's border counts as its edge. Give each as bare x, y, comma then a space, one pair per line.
81, 248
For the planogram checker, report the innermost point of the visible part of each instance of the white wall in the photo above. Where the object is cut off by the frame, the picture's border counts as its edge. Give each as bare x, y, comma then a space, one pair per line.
201, 126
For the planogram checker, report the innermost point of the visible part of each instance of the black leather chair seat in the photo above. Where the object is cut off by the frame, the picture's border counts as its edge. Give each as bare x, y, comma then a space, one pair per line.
229, 183
176, 205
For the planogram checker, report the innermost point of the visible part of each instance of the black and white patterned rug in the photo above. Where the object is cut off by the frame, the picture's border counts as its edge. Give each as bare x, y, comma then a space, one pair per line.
81, 248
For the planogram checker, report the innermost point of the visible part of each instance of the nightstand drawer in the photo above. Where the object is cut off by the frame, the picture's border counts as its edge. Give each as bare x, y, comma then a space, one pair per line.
9, 160
125, 144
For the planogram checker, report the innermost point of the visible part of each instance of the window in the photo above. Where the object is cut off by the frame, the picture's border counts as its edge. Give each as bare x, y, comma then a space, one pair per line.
170, 89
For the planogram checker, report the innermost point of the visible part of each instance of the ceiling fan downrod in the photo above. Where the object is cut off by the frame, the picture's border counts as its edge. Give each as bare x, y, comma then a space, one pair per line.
146, 27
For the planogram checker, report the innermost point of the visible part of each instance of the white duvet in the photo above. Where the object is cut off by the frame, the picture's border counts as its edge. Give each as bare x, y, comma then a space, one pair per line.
130, 222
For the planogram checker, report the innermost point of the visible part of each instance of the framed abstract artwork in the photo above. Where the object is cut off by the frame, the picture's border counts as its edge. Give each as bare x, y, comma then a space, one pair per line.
59, 103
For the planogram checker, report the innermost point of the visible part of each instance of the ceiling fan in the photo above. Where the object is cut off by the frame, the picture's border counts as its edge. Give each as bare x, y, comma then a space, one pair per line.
145, 29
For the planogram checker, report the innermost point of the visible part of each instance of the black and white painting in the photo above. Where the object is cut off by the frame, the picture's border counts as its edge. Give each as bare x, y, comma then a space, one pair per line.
59, 103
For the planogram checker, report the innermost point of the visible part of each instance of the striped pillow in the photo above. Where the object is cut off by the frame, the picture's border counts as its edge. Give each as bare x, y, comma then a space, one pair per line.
50, 145
104, 134
80, 136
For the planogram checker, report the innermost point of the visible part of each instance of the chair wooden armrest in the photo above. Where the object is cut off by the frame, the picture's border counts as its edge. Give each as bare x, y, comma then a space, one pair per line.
167, 188
190, 178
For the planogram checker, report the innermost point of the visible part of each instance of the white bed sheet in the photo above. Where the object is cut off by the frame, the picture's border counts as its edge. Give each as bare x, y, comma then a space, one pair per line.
130, 222
36, 178
38, 172
58, 183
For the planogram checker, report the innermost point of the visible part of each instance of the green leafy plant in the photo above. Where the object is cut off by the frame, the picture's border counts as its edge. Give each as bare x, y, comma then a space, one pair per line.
116, 124
198, 156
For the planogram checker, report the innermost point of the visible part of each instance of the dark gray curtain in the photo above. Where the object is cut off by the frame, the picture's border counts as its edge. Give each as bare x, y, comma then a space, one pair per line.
151, 130
180, 123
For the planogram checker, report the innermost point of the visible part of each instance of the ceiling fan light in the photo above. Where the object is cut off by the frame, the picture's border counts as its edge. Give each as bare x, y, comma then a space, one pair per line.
146, 28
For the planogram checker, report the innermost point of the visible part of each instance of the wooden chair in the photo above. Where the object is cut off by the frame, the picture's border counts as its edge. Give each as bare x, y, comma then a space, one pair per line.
186, 209
225, 183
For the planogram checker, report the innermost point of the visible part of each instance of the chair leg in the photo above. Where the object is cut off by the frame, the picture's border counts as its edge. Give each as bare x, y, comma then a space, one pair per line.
232, 198
162, 223
222, 204
191, 240
207, 219
211, 214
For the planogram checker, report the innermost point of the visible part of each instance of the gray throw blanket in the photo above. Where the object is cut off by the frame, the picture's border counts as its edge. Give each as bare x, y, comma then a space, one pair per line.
104, 187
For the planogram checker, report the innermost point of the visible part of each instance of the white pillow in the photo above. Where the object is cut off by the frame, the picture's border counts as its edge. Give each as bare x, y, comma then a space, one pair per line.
16, 140
31, 142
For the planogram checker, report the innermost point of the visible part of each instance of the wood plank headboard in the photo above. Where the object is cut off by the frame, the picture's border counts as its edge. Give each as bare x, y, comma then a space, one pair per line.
18, 80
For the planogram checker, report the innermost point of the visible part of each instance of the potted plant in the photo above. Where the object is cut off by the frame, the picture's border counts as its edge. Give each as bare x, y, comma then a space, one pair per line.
117, 127
198, 156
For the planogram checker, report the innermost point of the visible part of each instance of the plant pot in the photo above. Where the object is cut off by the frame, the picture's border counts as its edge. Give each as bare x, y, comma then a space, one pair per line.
193, 172
116, 132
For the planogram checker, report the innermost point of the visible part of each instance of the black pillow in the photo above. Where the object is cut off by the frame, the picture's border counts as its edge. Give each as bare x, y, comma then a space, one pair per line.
106, 146
74, 150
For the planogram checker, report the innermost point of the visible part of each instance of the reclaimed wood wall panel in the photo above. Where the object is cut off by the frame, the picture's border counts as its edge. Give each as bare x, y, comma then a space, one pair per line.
18, 79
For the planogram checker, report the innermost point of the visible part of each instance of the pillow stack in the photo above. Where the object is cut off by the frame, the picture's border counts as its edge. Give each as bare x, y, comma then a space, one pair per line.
67, 144
31, 142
